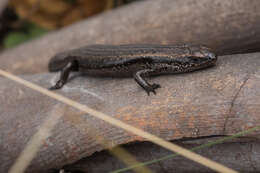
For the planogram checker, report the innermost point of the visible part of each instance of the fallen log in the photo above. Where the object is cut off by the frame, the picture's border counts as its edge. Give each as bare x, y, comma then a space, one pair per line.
225, 26
221, 100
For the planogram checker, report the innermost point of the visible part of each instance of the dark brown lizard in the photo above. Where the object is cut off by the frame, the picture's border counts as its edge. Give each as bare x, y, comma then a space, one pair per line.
138, 61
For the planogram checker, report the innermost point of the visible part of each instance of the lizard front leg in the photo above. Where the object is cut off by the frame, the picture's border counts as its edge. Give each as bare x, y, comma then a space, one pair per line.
139, 78
64, 75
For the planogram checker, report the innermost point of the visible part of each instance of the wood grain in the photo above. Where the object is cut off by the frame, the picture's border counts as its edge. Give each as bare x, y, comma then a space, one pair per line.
218, 101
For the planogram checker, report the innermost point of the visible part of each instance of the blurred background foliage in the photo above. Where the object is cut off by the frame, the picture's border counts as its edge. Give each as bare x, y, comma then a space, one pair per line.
24, 20
28, 31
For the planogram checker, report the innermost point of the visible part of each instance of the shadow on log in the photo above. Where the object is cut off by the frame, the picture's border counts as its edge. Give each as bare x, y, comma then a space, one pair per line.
226, 26
221, 100
240, 156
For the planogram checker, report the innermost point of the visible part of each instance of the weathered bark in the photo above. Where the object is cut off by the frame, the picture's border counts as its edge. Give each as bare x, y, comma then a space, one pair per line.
242, 157
226, 26
216, 101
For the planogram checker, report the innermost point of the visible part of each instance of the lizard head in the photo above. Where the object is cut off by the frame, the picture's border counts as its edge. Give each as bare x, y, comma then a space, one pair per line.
201, 55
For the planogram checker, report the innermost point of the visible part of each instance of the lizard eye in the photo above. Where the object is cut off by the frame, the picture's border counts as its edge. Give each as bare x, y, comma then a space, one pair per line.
207, 54
211, 55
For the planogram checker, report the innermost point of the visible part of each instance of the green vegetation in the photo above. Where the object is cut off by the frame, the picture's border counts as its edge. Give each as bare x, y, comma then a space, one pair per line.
28, 32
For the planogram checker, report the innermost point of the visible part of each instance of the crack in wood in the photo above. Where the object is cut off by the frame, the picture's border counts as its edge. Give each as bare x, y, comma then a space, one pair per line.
233, 102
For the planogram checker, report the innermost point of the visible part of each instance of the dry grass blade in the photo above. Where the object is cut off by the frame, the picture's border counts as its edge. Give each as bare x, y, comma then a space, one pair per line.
172, 147
36, 142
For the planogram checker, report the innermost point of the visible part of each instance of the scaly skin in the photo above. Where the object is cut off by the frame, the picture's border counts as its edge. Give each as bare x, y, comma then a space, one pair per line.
135, 60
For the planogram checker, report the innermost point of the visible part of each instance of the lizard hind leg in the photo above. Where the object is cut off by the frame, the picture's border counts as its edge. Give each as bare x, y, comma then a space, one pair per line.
139, 78
64, 75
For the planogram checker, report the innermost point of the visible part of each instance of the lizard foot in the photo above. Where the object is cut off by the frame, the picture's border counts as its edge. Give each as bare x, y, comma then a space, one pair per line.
58, 85
152, 88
